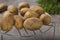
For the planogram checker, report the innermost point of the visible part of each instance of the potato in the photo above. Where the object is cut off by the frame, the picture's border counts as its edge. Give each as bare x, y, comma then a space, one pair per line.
23, 11
7, 13
45, 18
37, 9
7, 23
3, 7
23, 5
12, 9
30, 14
18, 22
32, 24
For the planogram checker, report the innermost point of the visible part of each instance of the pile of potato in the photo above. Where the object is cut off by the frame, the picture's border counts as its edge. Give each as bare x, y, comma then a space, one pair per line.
32, 17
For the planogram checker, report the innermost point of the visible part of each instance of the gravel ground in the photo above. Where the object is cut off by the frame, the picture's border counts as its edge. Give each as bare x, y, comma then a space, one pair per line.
14, 35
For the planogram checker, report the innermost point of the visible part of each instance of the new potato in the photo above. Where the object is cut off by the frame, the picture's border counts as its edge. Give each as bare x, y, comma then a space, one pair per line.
7, 23
23, 11
18, 22
30, 14
45, 18
3, 7
37, 9
32, 24
12, 9
7, 13
23, 5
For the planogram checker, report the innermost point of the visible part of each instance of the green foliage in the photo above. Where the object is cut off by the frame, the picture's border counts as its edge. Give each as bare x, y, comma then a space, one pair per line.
50, 6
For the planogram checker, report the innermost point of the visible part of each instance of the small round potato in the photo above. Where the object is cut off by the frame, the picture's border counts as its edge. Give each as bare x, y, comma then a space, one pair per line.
12, 9
32, 24
23, 11
37, 9
23, 5
7, 13
30, 14
3, 7
45, 18
18, 22
7, 23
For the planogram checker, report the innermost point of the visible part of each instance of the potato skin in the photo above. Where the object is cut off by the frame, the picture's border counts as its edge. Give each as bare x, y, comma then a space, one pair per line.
13, 9
37, 9
7, 22
23, 11
18, 22
3, 7
32, 24
23, 5
45, 18
30, 14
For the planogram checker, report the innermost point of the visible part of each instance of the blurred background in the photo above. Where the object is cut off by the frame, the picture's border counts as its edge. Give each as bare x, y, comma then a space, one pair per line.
51, 6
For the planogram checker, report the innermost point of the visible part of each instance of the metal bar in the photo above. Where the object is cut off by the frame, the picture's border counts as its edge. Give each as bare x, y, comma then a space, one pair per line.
1, 37
35, 35
54, 34
25, 30
34, 32
18, 32
6, 34
47, 29
41, 31
54, 28
41, 34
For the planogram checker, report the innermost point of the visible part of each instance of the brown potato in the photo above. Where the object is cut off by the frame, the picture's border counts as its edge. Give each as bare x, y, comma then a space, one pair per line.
32, 24
18, 22
12, 9
3, 7
7, 23
37, 9
23, 11
23, 5
45, 18
30, 14
7, 13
